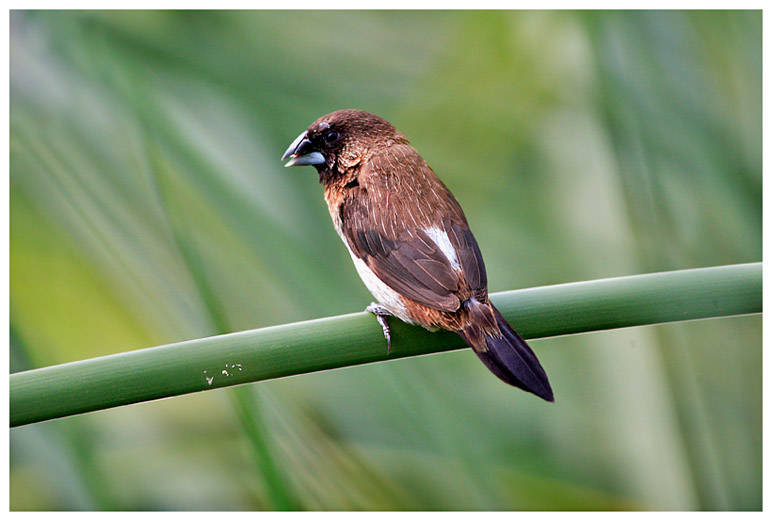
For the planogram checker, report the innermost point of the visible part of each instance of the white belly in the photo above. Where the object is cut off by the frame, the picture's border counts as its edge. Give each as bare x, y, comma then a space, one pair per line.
385, 296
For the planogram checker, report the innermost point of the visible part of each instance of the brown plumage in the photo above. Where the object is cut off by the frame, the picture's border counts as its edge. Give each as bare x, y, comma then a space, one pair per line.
410, 240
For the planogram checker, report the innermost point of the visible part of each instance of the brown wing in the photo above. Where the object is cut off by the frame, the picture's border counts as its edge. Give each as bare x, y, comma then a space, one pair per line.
469, 258
385, 218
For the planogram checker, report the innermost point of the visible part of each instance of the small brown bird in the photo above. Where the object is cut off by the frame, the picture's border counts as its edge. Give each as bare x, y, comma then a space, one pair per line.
409, 239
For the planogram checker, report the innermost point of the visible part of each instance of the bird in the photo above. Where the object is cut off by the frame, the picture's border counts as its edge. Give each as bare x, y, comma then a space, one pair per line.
410, 240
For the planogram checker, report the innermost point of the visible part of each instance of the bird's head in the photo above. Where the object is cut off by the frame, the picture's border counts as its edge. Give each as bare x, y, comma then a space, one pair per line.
341, 140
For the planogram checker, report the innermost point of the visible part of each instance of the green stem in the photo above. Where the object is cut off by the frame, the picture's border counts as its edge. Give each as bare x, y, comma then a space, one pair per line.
316, 345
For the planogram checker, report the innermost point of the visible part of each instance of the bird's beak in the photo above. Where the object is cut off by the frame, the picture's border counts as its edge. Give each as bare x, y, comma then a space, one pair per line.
302, 152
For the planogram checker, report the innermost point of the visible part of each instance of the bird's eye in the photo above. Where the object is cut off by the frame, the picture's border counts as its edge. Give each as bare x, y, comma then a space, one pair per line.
331, 137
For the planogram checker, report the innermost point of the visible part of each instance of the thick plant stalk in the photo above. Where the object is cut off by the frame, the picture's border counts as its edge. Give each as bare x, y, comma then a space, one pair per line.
315, 345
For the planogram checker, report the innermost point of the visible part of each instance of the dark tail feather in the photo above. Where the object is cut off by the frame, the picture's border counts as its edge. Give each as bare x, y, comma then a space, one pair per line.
508, 357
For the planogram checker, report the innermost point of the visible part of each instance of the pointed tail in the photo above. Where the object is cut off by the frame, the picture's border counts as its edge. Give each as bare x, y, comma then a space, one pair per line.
503, 351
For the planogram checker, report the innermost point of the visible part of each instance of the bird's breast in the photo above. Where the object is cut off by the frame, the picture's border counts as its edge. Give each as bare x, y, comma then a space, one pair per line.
386, 296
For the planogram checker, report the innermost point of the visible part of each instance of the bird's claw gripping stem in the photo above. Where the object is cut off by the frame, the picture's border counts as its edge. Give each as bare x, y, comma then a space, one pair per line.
381, 313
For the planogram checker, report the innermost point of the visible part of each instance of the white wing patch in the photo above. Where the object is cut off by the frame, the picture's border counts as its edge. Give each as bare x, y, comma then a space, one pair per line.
442, 240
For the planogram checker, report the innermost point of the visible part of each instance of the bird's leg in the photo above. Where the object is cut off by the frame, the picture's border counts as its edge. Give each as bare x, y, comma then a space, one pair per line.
381, 313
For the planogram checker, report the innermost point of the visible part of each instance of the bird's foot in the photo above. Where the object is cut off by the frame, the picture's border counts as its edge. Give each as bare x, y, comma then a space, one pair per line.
381, 313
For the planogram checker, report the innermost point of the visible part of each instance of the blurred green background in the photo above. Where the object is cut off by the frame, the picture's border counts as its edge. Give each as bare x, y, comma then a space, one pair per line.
149, 205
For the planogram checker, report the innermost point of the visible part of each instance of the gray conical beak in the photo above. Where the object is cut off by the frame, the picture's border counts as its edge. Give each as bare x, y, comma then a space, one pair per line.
302, 152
